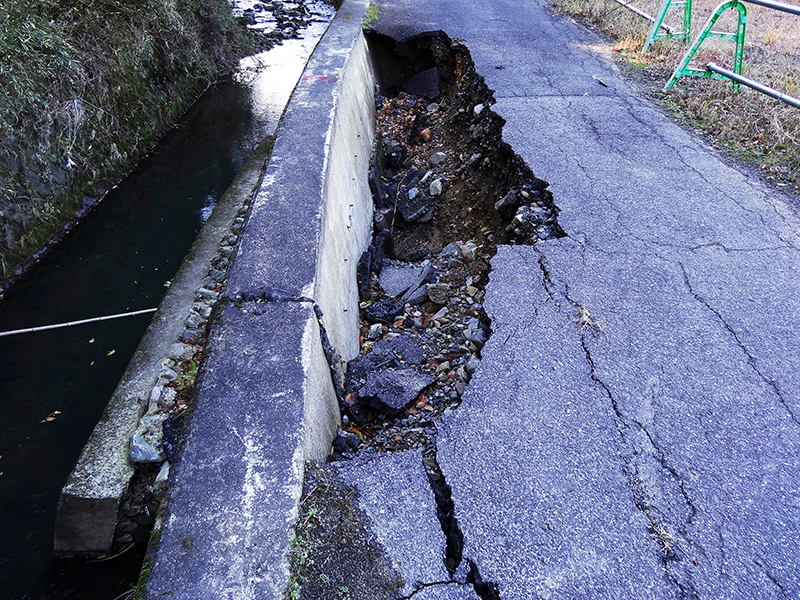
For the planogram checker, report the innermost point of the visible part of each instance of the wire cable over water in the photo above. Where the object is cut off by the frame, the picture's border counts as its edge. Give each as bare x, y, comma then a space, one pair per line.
81, 322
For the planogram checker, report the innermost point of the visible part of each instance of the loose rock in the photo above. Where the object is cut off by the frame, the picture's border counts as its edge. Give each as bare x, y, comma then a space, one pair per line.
392, 391
437, 158
142, 452
439, 293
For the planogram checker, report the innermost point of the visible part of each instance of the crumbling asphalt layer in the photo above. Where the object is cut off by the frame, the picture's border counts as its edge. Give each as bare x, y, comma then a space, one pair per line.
632, 430
439, 172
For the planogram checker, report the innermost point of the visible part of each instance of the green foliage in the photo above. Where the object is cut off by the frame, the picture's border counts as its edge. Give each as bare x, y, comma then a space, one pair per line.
371, 17
35, 55
144, 577
86, 88
187, 379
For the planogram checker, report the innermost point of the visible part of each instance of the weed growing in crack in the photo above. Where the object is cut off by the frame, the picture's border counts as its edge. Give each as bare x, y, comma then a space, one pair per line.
587, 322
667, 541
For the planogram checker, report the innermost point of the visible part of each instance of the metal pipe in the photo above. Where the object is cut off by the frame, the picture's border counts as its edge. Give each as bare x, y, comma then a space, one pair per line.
641, 13
81, 322
754, 84
789, 8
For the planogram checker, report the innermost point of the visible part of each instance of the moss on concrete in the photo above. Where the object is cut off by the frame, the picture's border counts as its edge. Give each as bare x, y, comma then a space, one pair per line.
334, 554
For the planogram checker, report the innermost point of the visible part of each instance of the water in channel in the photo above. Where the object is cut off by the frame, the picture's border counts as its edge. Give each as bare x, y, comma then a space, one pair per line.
55, 384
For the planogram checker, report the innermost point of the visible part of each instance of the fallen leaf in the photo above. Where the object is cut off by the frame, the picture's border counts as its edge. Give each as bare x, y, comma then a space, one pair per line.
51, 417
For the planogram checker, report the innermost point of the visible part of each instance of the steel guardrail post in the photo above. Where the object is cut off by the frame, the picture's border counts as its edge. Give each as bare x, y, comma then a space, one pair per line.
658, 23
708, 32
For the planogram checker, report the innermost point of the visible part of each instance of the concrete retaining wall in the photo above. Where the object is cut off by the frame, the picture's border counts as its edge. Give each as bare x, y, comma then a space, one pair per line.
265, 402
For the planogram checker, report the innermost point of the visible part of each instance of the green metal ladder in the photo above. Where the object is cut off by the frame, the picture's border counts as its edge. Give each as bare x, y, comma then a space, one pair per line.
708, 32
658, 24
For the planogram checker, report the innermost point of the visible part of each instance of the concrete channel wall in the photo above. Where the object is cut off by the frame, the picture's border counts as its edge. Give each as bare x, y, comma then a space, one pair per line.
265, 402
90, 500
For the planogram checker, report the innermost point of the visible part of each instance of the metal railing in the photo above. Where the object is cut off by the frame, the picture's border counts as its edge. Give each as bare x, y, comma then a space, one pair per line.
644, 14
764, 89
685, 34
658, 21
714, 70
782, 6
709, 32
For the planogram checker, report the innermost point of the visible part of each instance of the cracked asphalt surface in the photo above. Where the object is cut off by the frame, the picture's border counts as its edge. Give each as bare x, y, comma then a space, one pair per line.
634, 428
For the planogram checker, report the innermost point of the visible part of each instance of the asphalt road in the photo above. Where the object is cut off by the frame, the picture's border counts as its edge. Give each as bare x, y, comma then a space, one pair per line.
634, 428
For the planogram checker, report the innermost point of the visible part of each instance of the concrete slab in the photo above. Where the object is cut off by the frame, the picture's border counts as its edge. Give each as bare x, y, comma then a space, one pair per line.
262, 409
312, 217
393, 490
535, 463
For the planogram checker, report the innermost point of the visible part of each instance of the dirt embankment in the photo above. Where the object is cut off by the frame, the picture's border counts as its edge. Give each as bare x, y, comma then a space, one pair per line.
87, 89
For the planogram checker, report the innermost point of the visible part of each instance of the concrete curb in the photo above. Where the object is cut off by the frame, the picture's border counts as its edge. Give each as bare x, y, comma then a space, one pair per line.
266, 402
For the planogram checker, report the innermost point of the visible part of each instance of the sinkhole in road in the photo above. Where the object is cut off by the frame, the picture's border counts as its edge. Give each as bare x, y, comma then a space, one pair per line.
447, 190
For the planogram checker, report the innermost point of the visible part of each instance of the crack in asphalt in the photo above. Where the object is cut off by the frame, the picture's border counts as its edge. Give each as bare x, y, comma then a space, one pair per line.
630, 470
486, 590
454, 537
424, 586
753, 211
667, 554
760, 563
547, 281
660, 457
727, 250
750, 358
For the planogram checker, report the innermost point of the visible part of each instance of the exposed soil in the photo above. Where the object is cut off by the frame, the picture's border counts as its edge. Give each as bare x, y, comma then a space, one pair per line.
447, 190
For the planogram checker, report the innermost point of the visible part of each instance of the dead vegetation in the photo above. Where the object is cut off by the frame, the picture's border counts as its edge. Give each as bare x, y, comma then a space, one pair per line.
755, 127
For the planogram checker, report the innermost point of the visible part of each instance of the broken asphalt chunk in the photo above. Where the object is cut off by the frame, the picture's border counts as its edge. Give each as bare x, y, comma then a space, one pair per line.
403, 348
393, 490
383, 311
397, 277
391, 391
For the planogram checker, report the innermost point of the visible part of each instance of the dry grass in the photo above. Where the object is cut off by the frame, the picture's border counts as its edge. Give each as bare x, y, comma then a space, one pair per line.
749, 124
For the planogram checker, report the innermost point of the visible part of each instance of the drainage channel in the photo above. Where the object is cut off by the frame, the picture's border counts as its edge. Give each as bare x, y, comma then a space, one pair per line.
447, 190
55, 384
